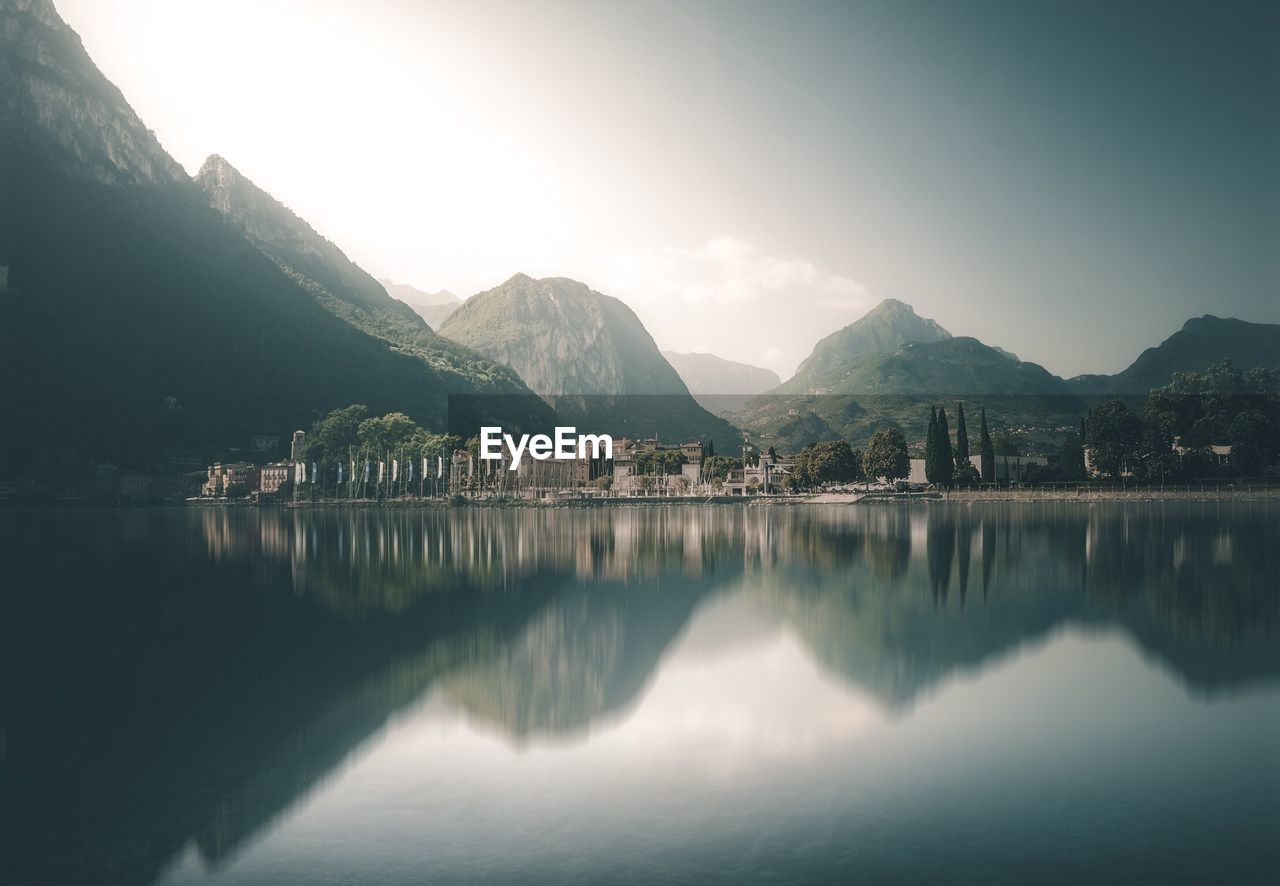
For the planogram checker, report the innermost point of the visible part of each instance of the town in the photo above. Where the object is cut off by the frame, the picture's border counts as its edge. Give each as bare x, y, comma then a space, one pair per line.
1219, 434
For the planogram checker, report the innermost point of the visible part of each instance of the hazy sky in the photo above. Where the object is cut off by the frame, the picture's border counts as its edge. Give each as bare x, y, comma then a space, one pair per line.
1069, 181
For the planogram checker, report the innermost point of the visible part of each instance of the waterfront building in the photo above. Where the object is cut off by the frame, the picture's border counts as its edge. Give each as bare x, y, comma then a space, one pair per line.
230, 480
766, 476
628, 479
273, 476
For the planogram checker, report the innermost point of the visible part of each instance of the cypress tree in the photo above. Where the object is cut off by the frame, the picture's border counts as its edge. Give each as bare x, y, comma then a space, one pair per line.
986, 452
946, 458
931, 446
962, 440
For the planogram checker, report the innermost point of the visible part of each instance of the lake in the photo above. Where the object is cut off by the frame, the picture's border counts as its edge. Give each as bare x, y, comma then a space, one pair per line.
967, 693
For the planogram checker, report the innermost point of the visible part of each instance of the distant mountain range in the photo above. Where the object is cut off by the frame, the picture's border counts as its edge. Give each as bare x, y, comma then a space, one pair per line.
888, 367
587, 354
143, 321
434, 307
721, 385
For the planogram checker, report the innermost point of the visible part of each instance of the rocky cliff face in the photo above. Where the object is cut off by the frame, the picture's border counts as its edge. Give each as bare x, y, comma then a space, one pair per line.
588, 354
563, 338
53, 99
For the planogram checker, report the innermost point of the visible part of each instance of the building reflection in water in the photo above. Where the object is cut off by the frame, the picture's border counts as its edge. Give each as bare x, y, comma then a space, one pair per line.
180, 677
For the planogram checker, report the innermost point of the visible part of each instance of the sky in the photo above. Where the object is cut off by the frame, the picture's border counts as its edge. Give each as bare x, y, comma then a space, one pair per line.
1070, 181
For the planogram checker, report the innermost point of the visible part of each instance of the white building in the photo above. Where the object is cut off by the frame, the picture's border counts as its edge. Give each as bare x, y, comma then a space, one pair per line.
1008, 468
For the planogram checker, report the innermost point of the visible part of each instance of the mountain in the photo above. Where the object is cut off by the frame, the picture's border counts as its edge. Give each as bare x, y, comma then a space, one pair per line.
342, 287
721, 385
305, 255
888, 368
882, 330
434, 307
960, 365
411, 295
1202, 342
54, 101
588, 354
141, 322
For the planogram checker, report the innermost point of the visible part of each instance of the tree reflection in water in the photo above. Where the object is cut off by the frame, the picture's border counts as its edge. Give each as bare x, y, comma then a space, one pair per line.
185, 677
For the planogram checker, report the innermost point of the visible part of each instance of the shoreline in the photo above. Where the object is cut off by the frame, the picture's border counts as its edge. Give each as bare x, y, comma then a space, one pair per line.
956, 496
1028, 496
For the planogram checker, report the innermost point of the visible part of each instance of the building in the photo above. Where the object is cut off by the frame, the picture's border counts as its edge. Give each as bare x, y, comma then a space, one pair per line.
629, 477
1220, 453
232, 480
1009, 468
273, 476
765, 477
298, 445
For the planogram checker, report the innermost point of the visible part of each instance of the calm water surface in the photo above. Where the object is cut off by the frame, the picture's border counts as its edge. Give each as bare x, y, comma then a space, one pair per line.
935, 692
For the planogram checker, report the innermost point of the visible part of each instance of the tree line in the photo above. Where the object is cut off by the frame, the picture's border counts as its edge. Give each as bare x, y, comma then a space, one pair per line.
1170, 437
1175, 434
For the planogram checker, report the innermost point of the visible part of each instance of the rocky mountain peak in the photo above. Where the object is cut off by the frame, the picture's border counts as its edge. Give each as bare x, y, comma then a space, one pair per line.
890, 307
911, 326
883, 330
55, 102
582, 350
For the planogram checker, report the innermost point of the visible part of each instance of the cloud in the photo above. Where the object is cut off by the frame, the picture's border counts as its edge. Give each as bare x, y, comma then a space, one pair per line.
728, 272
730, 298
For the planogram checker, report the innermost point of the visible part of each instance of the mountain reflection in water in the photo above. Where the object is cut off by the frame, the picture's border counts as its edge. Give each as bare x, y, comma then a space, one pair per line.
180, 684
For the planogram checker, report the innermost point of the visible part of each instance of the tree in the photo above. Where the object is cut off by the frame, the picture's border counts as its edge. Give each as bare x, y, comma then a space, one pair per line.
887, 455
1066, 463
946, 459
1114, 436
1006, 443
716, 468
658, 461
931, 447
966, 476
962, 440
831, 461
387, 433
334, 437
986, 451
1221, 406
